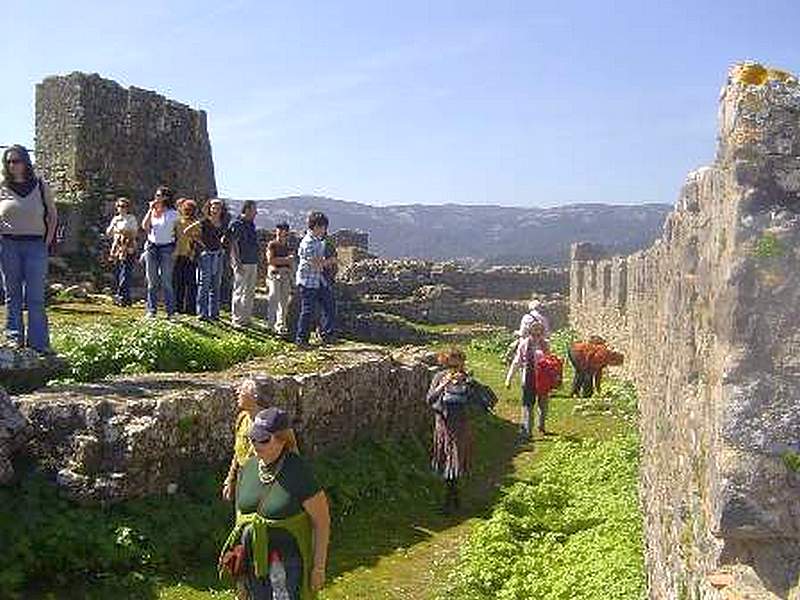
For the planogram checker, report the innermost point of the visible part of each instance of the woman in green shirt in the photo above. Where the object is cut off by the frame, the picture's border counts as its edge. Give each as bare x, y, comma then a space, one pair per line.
281, 515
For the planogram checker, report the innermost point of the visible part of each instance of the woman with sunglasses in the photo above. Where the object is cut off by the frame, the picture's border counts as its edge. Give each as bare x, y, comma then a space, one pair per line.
160, 223
27, 228
122, 231
279, 545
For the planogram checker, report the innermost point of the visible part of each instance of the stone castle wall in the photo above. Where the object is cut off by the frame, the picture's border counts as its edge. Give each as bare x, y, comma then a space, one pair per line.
96, 140
133, 436
400, 278
708, 320
441, 293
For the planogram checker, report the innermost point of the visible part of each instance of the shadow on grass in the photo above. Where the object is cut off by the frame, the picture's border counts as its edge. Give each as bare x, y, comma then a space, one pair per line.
378, 528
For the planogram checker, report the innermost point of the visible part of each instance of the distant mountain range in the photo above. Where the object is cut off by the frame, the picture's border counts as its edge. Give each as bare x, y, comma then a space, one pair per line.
487, 234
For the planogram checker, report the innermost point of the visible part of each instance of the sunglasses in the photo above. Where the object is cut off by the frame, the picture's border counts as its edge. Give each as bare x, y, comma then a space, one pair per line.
263, 442
13, 161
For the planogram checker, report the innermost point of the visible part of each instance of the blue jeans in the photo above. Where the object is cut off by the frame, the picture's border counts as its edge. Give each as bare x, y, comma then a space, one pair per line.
158, 264
24, 263
309, 299
122, 275
209, 281
529, 398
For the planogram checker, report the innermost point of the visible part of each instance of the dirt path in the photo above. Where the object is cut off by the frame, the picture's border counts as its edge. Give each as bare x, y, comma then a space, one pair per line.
419, 570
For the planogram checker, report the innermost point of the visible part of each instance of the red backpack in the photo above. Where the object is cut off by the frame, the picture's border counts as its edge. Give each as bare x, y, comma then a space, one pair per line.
547, 375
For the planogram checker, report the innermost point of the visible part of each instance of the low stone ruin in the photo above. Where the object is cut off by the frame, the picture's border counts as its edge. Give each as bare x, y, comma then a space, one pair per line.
440, 293
14, 433
133, 436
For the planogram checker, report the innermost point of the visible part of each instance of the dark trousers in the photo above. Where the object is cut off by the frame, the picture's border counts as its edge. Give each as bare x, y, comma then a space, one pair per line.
583, 382
310, 298
185, 284
123, 270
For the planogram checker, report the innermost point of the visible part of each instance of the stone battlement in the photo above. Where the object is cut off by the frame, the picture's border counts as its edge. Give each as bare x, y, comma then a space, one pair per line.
707, 318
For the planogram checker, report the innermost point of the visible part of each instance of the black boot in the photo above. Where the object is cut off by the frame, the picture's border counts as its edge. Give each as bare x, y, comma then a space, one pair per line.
449, 497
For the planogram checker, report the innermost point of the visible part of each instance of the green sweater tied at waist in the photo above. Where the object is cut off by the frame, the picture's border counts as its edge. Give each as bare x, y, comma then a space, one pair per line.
298, 526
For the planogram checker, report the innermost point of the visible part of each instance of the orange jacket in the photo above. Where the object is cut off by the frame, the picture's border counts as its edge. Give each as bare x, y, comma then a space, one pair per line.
594, 357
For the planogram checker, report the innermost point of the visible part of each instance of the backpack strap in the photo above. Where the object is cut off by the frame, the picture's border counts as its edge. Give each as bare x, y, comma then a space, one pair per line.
40, 185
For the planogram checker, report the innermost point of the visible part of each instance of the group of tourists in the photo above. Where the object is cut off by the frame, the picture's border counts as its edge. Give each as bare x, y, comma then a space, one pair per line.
185, 254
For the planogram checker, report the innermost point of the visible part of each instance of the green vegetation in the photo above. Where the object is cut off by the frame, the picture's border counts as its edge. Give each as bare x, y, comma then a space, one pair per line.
52, 544
791, 460
121, 341
563, 509
769, 246
573, 530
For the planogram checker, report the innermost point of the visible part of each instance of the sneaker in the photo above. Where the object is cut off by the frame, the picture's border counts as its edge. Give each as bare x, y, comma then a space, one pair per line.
149, 315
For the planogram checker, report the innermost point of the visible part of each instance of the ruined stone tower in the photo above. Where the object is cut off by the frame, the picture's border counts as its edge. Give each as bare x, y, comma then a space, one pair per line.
96, 140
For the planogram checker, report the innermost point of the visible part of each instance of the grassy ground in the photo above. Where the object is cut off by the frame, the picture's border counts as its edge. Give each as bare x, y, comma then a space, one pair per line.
407, 551
389, 540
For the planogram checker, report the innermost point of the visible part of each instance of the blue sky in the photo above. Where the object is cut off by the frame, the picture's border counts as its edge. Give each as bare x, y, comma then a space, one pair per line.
514, 103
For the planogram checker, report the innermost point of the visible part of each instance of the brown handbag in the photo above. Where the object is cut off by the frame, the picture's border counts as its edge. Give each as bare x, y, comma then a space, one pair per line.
232, 562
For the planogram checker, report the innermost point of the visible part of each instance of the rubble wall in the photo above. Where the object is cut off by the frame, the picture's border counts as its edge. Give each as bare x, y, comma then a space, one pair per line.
133, 436
708, 320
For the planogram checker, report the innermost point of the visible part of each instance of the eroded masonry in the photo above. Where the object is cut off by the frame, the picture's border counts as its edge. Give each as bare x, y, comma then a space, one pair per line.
708, 319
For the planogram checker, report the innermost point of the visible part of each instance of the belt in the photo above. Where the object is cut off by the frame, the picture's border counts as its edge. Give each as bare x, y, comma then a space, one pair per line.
23, 238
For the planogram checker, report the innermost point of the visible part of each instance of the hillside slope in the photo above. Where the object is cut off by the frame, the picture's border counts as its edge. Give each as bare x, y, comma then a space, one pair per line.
492, 234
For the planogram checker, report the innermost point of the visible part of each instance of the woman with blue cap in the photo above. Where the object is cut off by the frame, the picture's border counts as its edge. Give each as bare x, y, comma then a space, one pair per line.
279, 545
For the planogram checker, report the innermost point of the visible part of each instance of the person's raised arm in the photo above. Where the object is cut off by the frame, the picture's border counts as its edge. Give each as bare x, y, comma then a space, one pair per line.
516, 363
192, 226
146, 224
319, 511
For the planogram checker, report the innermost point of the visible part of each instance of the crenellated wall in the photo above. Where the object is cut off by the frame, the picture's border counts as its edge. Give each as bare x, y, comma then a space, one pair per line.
709, 320
132, 436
